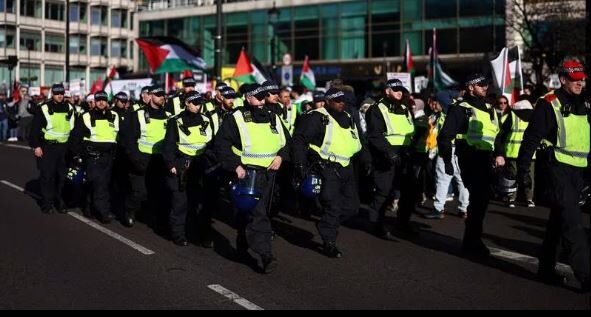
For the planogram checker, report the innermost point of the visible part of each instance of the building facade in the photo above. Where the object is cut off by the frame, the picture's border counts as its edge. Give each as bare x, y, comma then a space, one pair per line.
347, 38
101, 35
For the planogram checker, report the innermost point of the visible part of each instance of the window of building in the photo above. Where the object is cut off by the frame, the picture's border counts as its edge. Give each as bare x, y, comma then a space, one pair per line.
236, 35
124, 19
7, 36
353, 30
415, 41
54, 74
441, 9
306, 32
55, 11
131, 17
95, 15
30, 74
98, 46
476, 8
130, 49
77, 73
447, 41
119, 48
7, 6
54, 43
96, 73
330, 31
77, 44
31, 8
385, 27
74, 12
30, 40
483, 34
412, 10
116, 18
259, 29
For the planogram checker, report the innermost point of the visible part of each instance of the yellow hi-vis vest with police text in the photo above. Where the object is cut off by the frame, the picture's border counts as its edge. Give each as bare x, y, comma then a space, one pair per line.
194, 143
515, 137
103, 131
151, 133
59, 124
399, 128
339, 144
482, 131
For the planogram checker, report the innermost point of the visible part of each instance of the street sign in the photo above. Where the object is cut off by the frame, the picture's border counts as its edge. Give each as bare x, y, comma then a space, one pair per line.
287, 75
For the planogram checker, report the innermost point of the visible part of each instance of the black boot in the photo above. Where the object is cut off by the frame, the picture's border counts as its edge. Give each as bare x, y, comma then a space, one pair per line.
331, 250
551, 277
269, 263
128, 220
475, 248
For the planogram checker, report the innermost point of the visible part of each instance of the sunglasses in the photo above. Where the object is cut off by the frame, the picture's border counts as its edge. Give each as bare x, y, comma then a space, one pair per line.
482, 85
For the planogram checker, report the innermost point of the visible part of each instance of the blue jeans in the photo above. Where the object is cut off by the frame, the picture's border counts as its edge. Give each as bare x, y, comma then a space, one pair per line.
3, 129
12, 133
443, 181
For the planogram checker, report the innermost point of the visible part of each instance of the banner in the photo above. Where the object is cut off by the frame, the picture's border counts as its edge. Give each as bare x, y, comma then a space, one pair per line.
133, 87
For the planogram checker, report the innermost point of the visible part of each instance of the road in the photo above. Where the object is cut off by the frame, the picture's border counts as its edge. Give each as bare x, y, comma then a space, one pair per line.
68, 262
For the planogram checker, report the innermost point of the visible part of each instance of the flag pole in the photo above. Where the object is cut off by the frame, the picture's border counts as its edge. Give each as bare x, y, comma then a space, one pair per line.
166, 83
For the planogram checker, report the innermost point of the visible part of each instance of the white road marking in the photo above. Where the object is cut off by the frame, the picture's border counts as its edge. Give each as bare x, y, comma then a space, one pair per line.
24, 147
96, 226
234, 297
563, 268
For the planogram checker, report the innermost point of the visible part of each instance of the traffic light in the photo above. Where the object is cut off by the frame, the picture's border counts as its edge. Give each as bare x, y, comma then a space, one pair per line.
11, 61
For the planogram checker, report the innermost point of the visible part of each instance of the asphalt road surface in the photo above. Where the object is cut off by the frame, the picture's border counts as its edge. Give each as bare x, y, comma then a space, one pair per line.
69, 262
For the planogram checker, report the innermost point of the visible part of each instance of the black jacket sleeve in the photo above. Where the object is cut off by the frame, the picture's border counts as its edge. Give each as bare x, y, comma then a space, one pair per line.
169, 144
503, 135
36, 136
542, 126
307, 132
227, 137
130, 136
77, 137
376, 127
284, 153
455, 123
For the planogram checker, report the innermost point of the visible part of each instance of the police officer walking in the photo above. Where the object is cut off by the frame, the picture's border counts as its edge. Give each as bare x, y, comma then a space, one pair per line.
187, 136
144, 99
325, 141
250, 141
50, 132
390, 131
94, 139
226, 106
121, 105
478, 122
143, 140
562, 117
176, 104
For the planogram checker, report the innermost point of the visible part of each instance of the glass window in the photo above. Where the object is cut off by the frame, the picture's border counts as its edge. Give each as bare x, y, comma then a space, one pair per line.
476, 8
115, 48
259, 33
500, 7
124, 19
447, 41
415, 41
95, 15
7, 37
83, 9
96, 47
131, 17
306, 32
131, 49
412, 10
283, 35
31, 8
53, 74
96, 73
7, 6
74, 12
385, 34
54, 11
330, 31
385, 6
483, 44
352, 31
74, 44
441, 9
29, 40
209, 30
30, 74
104, 16
236, 38
77, 73
54, 43
116, 18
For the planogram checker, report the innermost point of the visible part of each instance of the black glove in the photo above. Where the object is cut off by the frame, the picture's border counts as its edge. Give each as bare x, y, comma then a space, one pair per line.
449, 168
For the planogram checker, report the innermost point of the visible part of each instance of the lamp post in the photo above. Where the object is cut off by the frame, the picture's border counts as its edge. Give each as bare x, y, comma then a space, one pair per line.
67, 46
218, 42
273, 15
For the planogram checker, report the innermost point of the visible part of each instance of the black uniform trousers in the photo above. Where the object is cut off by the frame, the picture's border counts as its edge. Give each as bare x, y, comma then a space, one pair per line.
476, 170
53, 170
254, 227
339, 199
566, 223
188, 196
98, 174
388, 177
148, 185
119, 182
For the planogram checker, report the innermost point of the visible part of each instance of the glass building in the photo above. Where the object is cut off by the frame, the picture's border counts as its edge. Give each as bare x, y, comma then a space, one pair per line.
348, 38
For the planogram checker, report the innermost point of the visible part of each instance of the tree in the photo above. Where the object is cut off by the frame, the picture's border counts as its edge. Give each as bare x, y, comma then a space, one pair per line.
550, 31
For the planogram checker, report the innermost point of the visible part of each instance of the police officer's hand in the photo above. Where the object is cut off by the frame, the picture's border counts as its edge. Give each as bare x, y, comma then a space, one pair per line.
173, 171
499, 161
276, 164
240, 172
38, 152
449, 168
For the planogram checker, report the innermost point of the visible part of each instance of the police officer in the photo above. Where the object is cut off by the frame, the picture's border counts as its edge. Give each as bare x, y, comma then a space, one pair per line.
176, 105
509, 143
119, 179
144, 99
94, 139
325, 142
562, 118
143, 140
254, 139
478, 122
187, 136
50, 131
216, 101
121, 105
226, 106
390, 131
289, 110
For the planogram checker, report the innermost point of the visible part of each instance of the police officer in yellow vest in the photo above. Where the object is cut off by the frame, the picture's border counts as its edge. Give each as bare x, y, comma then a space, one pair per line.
176, 104
143, 140
509, 143
50, 131
562, 118
216, 101
187, 138
226, 106
121, 105
479, 123
120, 177
144, 99
391, 130
254, 139
94, 139
325, 141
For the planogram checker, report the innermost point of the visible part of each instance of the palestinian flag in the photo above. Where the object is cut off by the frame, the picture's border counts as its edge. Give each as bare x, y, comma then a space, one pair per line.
110, 75
169, 55
408, 62
437, 77
307, 78
248, 72
507, 73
